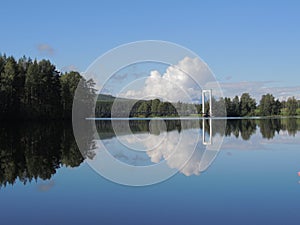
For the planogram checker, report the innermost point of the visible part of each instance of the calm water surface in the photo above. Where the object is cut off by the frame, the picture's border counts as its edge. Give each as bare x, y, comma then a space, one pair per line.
253, 179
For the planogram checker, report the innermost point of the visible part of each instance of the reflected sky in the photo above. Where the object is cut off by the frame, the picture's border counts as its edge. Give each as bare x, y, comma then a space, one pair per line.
29, 152
253, 180
187, 159
144, 148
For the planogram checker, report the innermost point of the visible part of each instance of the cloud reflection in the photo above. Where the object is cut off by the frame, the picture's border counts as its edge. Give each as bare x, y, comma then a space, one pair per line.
180, 150
44, 187
177, 149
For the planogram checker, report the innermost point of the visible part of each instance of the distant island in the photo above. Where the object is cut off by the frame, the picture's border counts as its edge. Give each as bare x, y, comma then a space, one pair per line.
31, 89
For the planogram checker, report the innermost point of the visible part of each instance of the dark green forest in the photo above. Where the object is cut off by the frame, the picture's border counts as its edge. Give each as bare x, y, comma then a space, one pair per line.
268, 106
31, 89
244, 106
145, 108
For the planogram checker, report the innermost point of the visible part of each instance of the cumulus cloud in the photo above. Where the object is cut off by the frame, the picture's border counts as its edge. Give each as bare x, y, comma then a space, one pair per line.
45, 49
181, 82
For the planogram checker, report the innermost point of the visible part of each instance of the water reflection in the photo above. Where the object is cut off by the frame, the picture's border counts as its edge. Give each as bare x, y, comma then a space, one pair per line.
206, 148
32, 151
179, 145
36, 150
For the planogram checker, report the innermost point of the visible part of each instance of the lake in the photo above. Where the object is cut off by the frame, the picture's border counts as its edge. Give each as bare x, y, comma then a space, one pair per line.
236, 171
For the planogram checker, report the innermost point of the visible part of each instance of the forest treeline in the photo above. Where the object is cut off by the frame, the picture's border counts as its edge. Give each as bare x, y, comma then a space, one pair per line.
244, 106
31, 89
144, 108
268, 106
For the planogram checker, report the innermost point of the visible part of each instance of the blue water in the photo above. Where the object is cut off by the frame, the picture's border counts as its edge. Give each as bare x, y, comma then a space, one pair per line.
249, 182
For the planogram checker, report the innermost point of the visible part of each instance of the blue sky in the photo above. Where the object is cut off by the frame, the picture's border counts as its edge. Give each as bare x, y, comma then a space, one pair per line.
242, 41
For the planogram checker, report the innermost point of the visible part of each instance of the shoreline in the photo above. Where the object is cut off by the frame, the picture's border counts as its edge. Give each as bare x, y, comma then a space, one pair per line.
192, 118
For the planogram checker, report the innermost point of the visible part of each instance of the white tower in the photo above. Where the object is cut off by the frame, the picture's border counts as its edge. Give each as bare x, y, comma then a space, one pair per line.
210, 101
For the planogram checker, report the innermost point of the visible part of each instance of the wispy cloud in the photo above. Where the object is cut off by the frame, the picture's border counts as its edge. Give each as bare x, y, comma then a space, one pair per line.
258, 88
231, 89
228, 78
120, 77
69, 68
283, 93
175, 85
45, 49
43, 187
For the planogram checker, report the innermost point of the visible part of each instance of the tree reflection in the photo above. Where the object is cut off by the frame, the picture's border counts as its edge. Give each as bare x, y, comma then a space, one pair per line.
35, 150
241, 128
291, 125
268, 127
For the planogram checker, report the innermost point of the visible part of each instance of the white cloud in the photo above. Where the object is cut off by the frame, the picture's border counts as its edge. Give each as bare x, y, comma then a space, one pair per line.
258, 88
45, 49
46, 186
69, 68
181, 82
228, 77
120, 77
